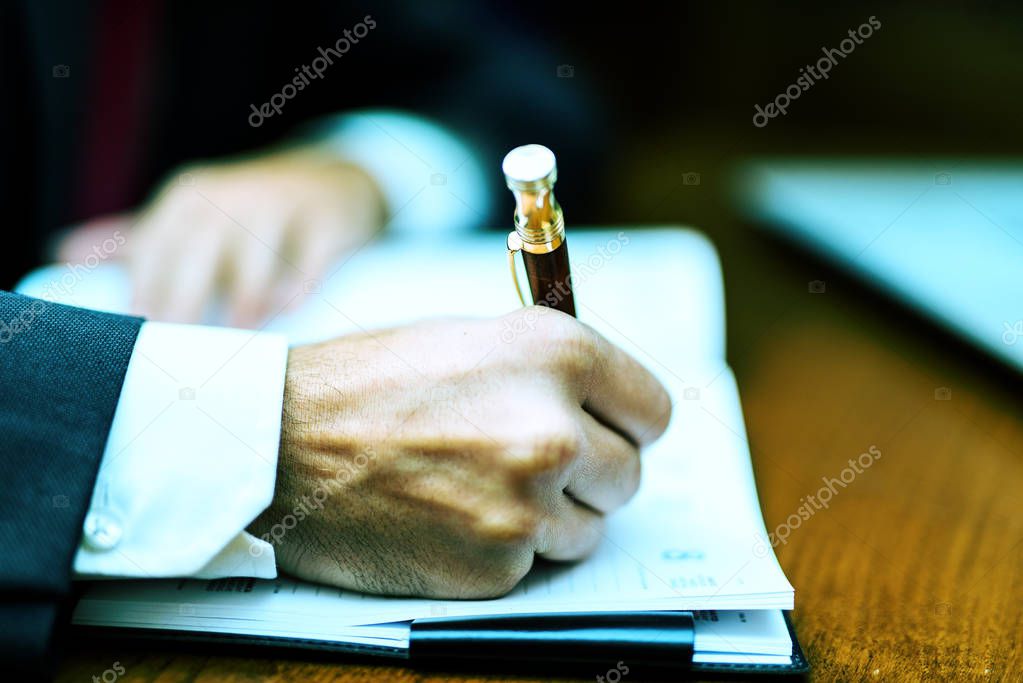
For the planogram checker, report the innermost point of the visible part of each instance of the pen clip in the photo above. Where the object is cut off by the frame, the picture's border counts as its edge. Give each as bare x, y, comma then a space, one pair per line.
515, 245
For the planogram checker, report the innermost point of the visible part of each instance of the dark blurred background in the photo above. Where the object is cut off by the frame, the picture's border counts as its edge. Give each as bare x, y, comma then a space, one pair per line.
631, 97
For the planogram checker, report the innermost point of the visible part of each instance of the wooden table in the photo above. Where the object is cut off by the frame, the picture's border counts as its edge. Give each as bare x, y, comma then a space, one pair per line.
914, 570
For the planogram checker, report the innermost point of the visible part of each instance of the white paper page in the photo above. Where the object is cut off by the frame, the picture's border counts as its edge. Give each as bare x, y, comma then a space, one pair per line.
745, 659
749, 631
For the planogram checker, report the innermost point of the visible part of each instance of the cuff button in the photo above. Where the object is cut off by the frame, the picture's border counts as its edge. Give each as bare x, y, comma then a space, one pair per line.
103, 530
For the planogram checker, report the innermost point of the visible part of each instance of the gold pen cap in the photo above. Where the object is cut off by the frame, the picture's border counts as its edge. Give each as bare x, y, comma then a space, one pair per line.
530, 172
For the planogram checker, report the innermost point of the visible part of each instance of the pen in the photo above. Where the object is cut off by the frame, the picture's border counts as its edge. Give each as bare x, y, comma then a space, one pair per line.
530, 172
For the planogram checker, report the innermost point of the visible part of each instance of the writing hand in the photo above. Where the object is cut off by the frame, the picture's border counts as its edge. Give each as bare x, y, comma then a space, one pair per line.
440, 458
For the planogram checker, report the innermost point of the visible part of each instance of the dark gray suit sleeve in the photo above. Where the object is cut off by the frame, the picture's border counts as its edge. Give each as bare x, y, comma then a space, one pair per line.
61, 370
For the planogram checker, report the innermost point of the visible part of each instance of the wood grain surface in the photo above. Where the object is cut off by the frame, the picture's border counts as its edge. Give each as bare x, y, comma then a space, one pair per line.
913, 571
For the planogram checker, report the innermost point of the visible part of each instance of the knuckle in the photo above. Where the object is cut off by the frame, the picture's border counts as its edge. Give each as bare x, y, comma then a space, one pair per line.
570, 345
559, 328
508, 526
559, 340
545, 450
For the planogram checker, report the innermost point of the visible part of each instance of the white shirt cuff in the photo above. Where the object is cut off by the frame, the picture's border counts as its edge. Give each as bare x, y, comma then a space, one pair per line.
431, 180
191, 458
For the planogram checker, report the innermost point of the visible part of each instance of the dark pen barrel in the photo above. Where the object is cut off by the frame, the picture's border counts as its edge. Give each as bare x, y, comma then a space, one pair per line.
550, 281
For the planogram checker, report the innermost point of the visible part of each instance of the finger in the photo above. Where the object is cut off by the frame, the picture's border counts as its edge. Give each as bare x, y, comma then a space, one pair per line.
154, 251
315, 248
194, 281
256, 263
606, 474
625, 395
572, 532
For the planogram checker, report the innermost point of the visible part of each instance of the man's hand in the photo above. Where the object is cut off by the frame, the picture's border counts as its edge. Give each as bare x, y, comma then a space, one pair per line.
253, 231
438, 459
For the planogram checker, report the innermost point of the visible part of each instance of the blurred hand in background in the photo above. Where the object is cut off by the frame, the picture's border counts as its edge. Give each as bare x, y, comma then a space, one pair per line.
248, 233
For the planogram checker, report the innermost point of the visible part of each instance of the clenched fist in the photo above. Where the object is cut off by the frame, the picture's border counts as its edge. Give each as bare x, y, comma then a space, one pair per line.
440, 458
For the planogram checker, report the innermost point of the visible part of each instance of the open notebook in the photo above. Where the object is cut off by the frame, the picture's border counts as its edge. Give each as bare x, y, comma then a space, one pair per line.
692, 540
